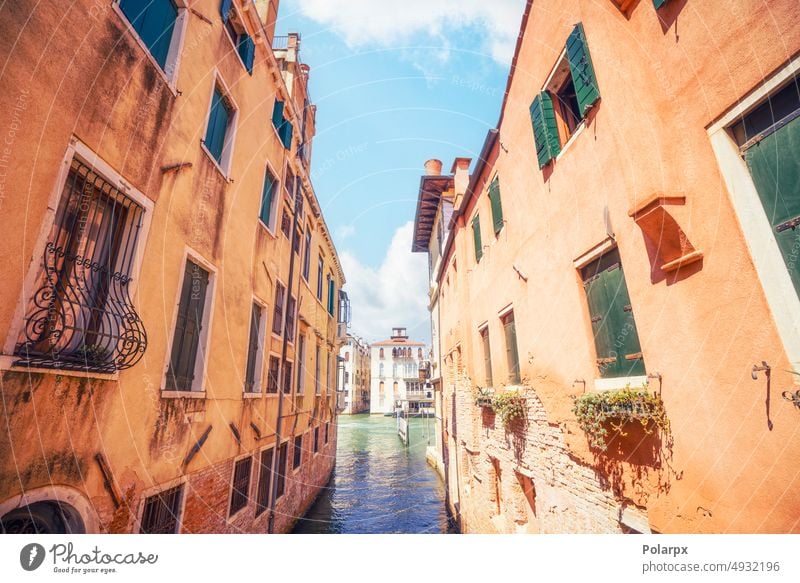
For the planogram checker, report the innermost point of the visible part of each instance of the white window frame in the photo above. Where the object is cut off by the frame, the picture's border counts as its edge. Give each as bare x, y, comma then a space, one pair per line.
170, 70
201, 363
226, 162
782, 298
259, 387
75, 149
150, 492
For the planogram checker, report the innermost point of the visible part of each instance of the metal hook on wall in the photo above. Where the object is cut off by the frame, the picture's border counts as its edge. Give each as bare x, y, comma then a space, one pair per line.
764, 366
793, 398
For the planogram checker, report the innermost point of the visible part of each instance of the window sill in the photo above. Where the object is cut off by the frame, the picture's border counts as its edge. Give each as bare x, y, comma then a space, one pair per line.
7, 364
171, 85
267, 228
183, 394
214, 161
251, 395
578, 131
616, 383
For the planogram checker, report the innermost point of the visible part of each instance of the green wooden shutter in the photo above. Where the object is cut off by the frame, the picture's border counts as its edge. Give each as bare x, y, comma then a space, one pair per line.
580, 65
277, 114
247, 51
286, 134
598, 309
225, 9
476, 233
497, 209
545, 131
659, 3
622, 324
512, 354
188, 325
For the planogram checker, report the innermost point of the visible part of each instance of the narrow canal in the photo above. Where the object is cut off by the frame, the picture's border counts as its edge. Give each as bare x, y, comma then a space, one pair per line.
379, 485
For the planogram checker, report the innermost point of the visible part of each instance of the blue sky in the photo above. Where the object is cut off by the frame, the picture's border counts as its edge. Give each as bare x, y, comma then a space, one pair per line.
395, 83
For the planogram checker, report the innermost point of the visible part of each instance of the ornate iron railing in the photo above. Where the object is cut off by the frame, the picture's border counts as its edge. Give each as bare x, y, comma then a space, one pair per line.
80, 316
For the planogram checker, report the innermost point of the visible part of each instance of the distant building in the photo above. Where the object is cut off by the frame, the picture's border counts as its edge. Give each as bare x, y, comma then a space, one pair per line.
395, 374
355, 375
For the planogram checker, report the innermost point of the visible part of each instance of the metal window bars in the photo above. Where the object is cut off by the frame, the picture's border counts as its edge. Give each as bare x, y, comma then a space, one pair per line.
81, 316
161, 512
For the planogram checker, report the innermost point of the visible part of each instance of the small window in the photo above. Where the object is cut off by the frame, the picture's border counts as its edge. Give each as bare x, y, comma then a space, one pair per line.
476, 236
301, 363
298, 243
331, 294
158, 24
512, 356
487, 357
274, 374
328, 374
277, 318
269, 200
320, 272
185, 371
240, 490
326, 432
290, 317
282, 125
316, 439
307, 255
161, 514
380, 352
220, 129
317, 379
287, 377
264, 480
298, 452
280, 478
252, 383
242, 42
497, 207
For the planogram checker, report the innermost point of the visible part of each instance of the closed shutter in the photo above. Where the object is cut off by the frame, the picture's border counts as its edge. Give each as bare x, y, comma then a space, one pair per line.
510, 329
497, 209
580, 65
280, 478
217, 125
277, 114
266, 198
154, 22
225, 9
545, 131
598, 309
247, 51
476, 233
187, 328
252, 349
620, 313
286, 134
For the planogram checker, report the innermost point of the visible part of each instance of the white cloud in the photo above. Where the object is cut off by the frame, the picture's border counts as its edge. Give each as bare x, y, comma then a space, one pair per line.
394, 294
345, 231
389, 22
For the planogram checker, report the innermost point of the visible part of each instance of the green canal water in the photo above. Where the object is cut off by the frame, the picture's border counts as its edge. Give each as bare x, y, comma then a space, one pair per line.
379, 485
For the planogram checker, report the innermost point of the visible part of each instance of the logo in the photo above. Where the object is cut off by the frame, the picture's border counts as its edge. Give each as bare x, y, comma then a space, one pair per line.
31, 556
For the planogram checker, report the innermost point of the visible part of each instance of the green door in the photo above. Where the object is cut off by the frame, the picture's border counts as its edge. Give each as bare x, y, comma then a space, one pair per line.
774, 163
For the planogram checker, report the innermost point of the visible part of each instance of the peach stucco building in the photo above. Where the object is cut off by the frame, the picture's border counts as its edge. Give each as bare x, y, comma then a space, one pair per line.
630, 222
168, 363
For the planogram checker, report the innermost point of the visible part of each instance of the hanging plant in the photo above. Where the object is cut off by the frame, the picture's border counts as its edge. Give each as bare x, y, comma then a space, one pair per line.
596, 412
483, 396
509, 405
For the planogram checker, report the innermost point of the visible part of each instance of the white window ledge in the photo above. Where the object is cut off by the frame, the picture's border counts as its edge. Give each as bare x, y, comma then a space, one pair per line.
183, 394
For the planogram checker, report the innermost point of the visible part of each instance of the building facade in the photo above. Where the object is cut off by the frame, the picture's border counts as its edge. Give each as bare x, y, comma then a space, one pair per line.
395, 377
171, 306
355, 375
615, 299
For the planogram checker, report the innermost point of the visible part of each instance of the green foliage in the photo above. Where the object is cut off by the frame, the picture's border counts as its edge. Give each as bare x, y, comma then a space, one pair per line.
509, 405
598, 411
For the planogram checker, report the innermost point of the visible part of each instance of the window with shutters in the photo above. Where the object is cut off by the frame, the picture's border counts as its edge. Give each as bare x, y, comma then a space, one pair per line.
317, 372
161, 513
280, 477
240, 487
277, 317
297, 456
243, 44
267, 214
307, 255
255, 350
78, 313
220, 128
291, 306
273, 374
476, 236
320, 275
327, 424
283, 127
611, 314
571, 91
286, 224
487, 356
512, 355
316, 440
497, 207
186, 366
331, 294
301, 363
159, 26
264, 480
287, 377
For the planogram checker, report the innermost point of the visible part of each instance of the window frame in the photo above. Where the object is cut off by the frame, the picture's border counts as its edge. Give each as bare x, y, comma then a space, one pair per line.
301, 367
225, 163
486, 348
276, 357
274, 202
513, 378
170, 70
241, 29
258, 383
259, 471
297, 464
231, 513
155, 491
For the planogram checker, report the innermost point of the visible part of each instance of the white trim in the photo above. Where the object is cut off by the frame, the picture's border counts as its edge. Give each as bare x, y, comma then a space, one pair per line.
503, 312
772, 272
561, 56
172, 64
619, 383
226, 158
273, 213
72, 496
201, 360
605, 246
77, 149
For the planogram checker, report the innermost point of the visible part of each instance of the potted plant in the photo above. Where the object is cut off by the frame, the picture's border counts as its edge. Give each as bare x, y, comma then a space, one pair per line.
509, 405
483, 396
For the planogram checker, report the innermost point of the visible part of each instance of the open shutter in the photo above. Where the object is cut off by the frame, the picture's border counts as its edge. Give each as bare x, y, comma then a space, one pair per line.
225, 9
497, 209
621, 324
247, 51
545, 131
580, 65
277, 114
286, 134
266, 198
659, 3
476, 233
601, 330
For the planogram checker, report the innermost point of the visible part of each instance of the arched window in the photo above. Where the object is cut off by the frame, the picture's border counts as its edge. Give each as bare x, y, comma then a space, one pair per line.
381, 353
419, 353
347, 357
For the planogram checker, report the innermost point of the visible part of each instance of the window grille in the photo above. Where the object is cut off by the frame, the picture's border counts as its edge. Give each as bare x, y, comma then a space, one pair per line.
162, 512
241, 484
81, 316
264, 475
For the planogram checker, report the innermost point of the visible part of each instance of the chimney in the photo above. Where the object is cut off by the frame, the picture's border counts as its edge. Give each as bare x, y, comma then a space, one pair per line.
433, 167
460, 172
